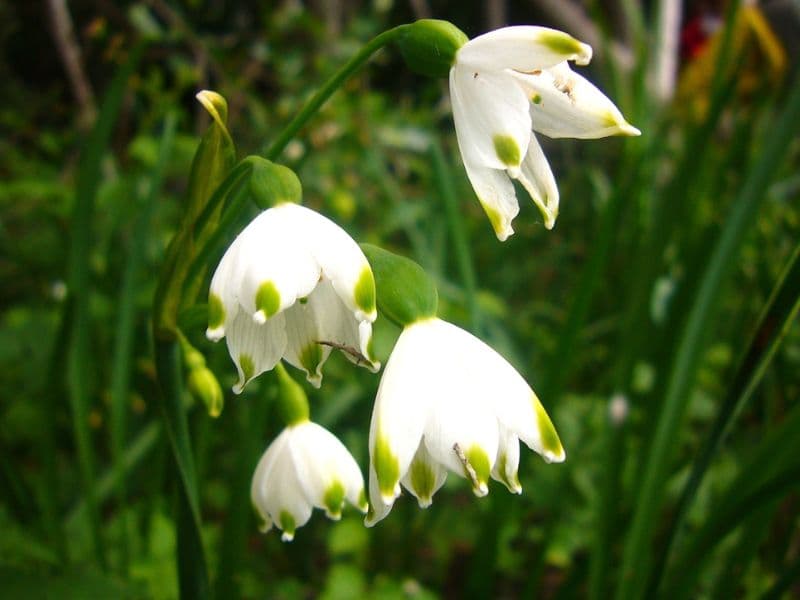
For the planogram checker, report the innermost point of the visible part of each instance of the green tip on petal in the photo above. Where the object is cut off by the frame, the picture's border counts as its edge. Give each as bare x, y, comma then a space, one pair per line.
288, 525
551, 444
216, 312
248, 368
333, 500
479, 469
498, 223
268, 301
423, 480
363, 504
387, 467
364, 292
510, 480
311, 358
565, 45
507, 150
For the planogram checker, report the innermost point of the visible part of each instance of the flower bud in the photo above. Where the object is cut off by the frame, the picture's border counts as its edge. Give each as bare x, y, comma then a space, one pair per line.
405, 292
429, 46
272, 184
204, 386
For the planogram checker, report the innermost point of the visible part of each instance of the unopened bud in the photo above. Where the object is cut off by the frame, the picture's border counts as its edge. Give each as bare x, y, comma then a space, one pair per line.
204, 386
429, 46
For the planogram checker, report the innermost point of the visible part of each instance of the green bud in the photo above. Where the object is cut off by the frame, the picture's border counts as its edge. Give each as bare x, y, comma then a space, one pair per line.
293, 400
204, 386
215, 155
405, 292
429, 46
272, 184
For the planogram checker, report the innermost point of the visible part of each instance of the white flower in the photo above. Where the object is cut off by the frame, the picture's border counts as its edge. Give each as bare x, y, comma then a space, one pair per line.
306, 466
507, 82
448, 402
292, 285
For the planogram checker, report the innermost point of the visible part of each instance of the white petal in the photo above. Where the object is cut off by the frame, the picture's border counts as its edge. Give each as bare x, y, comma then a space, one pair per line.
462, 429
255, 348
523, 48
277, 258
344, 264
505, 469
224, 289
326, 470
537, 179
275, 489
497, 197
491, 115
408, 384
424, 477
565, 104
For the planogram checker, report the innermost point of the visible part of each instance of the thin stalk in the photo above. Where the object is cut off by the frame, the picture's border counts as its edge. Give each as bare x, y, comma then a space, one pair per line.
325, 92
126, 319
773, 325
692, 343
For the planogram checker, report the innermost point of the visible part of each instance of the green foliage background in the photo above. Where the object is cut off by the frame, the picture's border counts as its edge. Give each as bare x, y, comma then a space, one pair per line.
667, 291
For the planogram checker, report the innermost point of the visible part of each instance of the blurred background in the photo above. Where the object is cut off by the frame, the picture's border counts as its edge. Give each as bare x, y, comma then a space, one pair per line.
655, 322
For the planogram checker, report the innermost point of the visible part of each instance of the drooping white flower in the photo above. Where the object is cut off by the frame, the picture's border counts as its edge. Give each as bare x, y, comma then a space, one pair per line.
503, 85
306, 466
292, 285
448, 402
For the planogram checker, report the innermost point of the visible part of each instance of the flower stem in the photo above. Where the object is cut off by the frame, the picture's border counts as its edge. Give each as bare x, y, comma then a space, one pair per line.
327, 90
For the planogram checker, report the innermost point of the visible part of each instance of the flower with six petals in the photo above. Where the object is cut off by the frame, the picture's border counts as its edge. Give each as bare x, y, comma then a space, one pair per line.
506, 84
292, 285
448, 402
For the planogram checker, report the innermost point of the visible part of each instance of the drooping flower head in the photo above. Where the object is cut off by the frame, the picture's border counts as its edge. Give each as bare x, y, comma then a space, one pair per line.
292, 285
306, 466
449, 402
506, 84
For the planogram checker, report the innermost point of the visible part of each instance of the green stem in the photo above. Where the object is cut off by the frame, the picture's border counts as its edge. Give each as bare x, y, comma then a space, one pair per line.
327, 90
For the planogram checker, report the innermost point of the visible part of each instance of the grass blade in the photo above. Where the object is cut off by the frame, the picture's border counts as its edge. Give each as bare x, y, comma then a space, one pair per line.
773, 325
692, 343
78, 356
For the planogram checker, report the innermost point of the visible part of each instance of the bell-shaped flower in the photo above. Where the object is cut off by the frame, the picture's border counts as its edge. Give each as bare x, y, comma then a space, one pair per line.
448, 402
292, 285
306, 466
506, 84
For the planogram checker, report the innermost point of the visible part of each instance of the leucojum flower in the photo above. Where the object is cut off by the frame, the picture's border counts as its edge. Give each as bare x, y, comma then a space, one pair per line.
508, 83
306, 466
448, 402
292, 285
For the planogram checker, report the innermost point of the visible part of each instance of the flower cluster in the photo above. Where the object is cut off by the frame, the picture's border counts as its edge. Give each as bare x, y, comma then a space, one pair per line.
293, 286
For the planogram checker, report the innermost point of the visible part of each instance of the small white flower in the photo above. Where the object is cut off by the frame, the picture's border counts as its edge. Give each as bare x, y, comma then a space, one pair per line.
448, 402
506, 83
292, 285
306, 466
